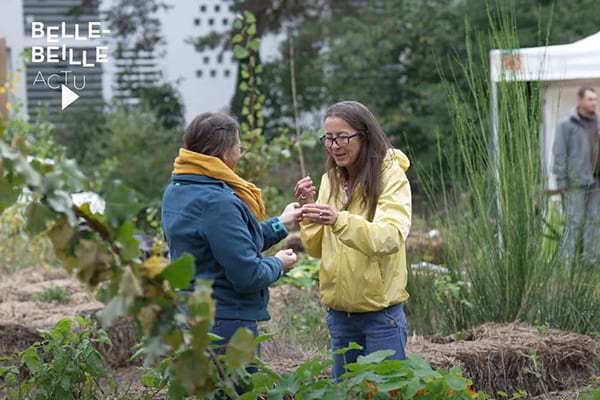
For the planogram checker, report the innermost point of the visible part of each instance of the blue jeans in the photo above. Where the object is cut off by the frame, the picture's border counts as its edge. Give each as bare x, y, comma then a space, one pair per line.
227, 327
374, 331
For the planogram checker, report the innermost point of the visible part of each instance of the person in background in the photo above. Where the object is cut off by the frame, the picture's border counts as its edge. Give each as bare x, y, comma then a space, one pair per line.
577, 169
211, 213
358, 227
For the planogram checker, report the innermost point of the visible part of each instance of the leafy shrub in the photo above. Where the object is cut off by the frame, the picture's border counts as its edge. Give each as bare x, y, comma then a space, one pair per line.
304, 275
371, 377
65, 365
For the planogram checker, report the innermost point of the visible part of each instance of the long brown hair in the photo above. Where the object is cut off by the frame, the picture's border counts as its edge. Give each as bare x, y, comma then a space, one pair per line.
375, 145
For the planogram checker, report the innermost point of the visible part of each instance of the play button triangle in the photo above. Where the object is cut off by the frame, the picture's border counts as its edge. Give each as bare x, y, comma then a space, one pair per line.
68, 96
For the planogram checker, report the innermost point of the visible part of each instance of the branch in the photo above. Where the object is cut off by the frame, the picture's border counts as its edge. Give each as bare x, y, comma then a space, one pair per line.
295, 103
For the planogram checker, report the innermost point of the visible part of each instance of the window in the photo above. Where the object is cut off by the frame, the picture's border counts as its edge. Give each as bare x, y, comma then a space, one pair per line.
197, 21
211, 21
199, 73
206, 59
220, 59
227, 73
231, 8
217, 8
213, 73
225, 21
203, 8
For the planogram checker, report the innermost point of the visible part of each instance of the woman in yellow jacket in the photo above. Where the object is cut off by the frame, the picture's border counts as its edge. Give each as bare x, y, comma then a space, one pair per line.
358, 228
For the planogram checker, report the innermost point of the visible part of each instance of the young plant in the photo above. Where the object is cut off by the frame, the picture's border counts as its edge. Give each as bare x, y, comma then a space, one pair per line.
64, 365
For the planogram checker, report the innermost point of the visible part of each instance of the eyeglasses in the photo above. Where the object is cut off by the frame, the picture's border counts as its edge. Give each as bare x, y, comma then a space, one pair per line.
243, 149
341, 141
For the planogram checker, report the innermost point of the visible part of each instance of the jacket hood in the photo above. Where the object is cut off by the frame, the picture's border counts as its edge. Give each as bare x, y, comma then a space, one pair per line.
575, 116
396, 156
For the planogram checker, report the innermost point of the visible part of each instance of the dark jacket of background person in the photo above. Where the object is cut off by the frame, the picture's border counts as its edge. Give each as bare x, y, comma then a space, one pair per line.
573, 153
203, 216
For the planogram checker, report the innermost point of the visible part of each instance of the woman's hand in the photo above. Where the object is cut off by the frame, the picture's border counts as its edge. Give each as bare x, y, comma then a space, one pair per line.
305, 191
291, 215
320, 214
288, 258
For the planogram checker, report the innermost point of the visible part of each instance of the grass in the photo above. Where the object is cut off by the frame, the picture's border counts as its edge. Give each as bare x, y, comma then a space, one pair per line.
18, 249
54, 295
298, 324
501, 254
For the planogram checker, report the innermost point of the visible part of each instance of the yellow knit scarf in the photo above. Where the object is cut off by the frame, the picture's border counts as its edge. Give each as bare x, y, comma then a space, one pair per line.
189, 162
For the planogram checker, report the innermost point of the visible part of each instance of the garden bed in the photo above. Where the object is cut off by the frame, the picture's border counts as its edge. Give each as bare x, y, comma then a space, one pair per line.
506, 357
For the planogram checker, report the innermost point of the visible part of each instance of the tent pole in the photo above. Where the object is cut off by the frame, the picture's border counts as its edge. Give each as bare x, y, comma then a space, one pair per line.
495, 156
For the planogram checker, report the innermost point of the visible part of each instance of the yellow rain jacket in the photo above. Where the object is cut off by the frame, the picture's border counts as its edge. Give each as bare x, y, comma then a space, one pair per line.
363, 264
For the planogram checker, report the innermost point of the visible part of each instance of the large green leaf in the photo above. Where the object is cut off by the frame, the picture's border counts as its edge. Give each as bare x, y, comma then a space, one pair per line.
38, 218
180, 272
73, 177
122, 204
59, 201
375, 357
117, 307
456, 383
129, 246
240, 349
8, 193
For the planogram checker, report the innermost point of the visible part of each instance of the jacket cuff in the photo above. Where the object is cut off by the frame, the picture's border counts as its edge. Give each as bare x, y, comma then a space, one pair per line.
279, 229
341, 222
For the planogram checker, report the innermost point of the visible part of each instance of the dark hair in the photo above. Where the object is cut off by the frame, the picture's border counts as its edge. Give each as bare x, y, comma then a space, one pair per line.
582, 90
375, 145
212, 134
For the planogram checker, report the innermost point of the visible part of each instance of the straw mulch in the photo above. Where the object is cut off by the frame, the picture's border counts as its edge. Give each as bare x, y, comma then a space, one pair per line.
512, 357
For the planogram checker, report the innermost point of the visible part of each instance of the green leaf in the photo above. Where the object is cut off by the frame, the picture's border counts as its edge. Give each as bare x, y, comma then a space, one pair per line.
214, 338
240, 349
9, 193
287, 385
252, 30
387, 386
250, 18
262, 381
60, 235
180, 272
59, 201
32, 360
148, 380
263, 337
375, 357
238, 24
237, 38
114, 309
240, 53
412, 387
457, 384
121, 204
38, 217
73, 177
243, 87
254, 44
127, 243
351, 346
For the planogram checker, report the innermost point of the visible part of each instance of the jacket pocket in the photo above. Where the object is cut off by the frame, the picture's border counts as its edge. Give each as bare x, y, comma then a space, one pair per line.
374, 290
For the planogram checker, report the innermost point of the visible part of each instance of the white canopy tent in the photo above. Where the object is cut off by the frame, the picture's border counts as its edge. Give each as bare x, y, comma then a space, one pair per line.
563, 69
